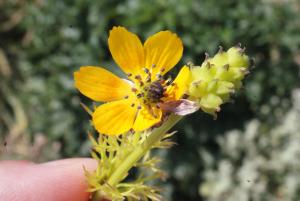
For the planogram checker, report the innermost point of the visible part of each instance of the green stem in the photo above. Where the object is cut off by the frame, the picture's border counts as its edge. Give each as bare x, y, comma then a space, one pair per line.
121, 172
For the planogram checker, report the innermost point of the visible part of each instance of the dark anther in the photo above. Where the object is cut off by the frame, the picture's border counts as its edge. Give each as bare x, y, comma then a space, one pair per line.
129, 74
148, 79
172, 84
126, 97
146, 70
139, 107
138, 77
139, 95
132, 131
132, 105
162, 70
157, 106
133, 89
153, 65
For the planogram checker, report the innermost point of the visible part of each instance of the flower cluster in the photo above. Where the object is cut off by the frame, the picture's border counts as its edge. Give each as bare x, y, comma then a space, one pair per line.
217, 78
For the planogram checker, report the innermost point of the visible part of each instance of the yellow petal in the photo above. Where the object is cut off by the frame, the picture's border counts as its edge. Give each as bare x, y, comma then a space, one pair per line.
127, 50
114, 118
100, 85
162, 50
180, 84
146, 118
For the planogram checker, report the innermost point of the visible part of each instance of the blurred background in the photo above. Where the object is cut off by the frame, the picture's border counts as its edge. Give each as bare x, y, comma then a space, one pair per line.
250, 153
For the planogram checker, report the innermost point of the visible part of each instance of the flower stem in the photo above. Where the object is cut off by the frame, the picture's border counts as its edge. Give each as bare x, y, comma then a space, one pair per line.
121, 172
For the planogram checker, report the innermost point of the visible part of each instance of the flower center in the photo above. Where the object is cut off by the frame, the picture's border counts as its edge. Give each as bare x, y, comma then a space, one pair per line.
155, 91
150, 92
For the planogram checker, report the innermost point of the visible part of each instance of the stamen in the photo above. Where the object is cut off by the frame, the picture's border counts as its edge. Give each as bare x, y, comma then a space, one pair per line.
126, 97
146, 70
132, 105
129, 74
148, 79
132, 131
139, 107
153, 65
162, 70
134, 90
138, 77
157, 106
139, 95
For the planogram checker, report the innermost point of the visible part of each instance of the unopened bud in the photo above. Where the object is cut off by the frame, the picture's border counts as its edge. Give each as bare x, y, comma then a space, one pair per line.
217, 78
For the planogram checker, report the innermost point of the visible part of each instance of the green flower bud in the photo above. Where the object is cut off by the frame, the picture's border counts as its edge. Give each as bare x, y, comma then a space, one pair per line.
237, 58
217, 78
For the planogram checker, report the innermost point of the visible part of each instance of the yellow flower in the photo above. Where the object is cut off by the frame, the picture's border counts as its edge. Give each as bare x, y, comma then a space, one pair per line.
134, 104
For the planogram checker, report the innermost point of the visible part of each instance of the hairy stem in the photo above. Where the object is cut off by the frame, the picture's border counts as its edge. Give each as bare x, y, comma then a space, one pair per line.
121, 172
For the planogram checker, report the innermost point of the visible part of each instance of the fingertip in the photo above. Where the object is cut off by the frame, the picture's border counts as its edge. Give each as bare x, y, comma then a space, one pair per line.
73, 163
57, 180
66, 178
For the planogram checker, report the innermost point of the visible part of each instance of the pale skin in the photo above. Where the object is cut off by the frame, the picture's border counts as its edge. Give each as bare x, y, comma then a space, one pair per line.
61, 180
